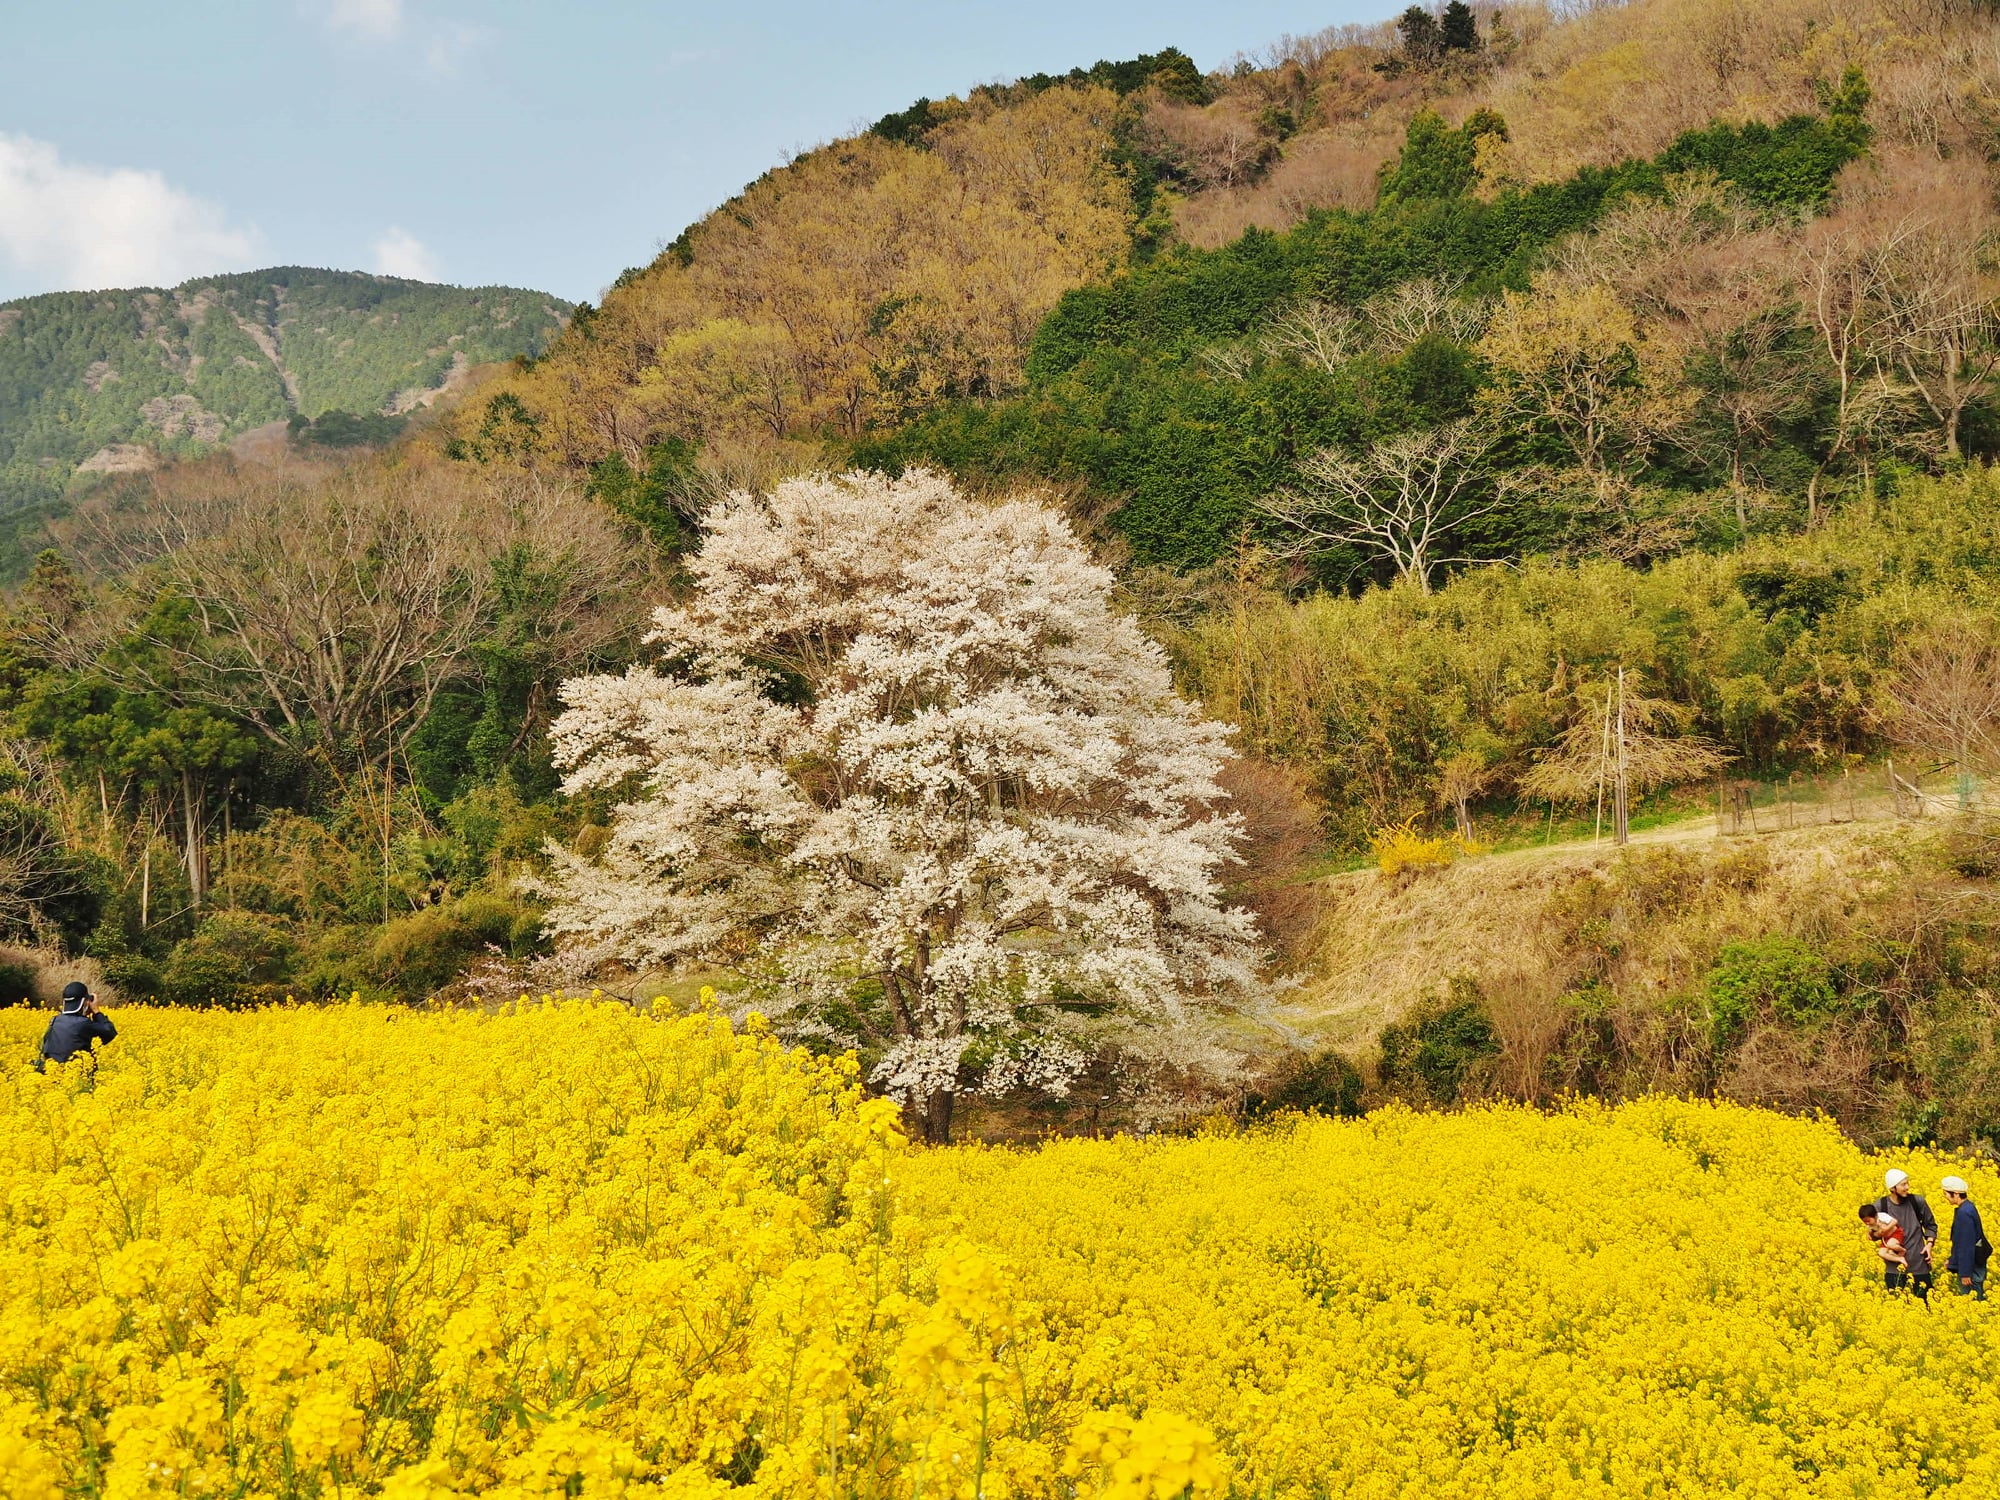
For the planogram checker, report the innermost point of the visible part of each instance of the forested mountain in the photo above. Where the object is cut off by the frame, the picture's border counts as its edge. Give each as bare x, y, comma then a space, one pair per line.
111, 380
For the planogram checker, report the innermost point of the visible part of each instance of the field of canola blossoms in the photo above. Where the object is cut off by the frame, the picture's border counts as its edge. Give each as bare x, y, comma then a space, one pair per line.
573, 1251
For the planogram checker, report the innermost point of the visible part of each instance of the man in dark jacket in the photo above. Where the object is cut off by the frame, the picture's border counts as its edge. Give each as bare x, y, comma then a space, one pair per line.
1969, 1249
76, 1028
1919, 1225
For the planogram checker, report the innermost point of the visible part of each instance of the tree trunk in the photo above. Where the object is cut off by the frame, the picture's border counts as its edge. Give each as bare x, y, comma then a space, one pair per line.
197, 853
933, 1113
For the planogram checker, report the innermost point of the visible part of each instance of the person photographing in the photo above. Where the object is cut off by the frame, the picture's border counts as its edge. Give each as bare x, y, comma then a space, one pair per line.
77, 1027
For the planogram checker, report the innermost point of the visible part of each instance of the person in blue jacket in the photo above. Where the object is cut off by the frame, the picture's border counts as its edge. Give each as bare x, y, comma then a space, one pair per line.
77, 1027
1969, 1249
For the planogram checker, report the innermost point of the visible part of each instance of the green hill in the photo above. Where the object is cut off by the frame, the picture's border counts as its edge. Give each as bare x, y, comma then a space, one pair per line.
95, 381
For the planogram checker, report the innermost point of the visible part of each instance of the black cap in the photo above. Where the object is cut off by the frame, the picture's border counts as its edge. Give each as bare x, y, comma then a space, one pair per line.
76, 989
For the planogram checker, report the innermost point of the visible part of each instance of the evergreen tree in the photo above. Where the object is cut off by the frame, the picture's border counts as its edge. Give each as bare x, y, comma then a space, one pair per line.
1423, 43
1460, 29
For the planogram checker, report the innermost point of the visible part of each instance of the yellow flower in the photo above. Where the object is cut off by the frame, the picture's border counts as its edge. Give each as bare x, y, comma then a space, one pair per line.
573, 1250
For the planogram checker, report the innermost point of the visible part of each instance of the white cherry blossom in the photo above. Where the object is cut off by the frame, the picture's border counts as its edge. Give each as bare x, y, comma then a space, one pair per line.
900, 763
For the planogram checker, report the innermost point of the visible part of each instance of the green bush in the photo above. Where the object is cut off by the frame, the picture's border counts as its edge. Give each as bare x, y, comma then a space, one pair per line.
503, 922
1777, 976
416, 954
233, 958
196, 976
1326, 1083
1434, 1053
134, 976
337, 963
17, 982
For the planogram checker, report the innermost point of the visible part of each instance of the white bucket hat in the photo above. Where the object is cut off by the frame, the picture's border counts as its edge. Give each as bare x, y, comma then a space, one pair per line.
1954, 1185
1894, 1178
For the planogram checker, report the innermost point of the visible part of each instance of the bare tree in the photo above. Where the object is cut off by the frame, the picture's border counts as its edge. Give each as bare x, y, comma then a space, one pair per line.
1899, 284
1409, 310
1629, 743
1401, 500
1834, 288
40, 872
327, 612
1461, 778
1321, 334
1933, 320
1945, 697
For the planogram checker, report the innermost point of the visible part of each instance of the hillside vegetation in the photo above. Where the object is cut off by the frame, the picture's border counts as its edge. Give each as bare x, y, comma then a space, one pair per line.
102, 381
746, 350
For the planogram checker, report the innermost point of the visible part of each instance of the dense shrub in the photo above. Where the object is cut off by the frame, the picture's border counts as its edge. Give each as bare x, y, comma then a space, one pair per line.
233, 958
1325, 1083
1433, 1052
1775, 976
17, 982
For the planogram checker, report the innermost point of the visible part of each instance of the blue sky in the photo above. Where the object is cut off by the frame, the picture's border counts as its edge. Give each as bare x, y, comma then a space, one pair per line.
545, 145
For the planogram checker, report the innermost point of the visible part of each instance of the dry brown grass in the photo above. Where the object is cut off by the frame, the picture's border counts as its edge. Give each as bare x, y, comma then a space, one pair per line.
1523, 924
52, 971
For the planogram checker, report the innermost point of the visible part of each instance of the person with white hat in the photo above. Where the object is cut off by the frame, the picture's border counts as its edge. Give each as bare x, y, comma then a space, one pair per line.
1969, 1250
1919, 1227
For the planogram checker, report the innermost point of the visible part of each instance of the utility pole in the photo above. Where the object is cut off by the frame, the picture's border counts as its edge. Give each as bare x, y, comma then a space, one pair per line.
1621, 806
1603, 760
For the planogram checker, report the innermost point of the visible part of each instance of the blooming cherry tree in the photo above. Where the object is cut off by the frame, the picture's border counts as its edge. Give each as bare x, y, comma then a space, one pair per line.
902, 764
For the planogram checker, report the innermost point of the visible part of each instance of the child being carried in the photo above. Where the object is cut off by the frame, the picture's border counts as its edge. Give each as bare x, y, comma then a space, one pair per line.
1887, 1235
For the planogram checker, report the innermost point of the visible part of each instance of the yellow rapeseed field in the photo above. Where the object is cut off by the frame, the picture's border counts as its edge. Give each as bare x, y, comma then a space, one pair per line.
567, 1250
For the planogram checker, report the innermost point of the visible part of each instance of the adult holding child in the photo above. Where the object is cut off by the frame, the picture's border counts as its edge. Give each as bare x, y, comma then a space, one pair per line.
1917, 1226
1969, 1249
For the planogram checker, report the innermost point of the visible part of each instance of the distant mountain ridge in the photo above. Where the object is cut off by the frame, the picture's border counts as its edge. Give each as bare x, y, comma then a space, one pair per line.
109, 380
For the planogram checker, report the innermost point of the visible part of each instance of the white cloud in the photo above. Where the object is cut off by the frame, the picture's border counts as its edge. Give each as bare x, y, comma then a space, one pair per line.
400, 253
452, 44
71, 227
439, 47
376, 19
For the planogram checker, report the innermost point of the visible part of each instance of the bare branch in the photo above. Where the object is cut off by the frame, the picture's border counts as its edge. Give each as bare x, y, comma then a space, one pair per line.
1401, 500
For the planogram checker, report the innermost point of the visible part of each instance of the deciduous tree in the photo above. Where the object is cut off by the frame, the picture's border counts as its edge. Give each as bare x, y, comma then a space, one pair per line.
1573, 362
1402, 499
903, 766
327, 610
